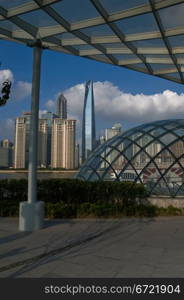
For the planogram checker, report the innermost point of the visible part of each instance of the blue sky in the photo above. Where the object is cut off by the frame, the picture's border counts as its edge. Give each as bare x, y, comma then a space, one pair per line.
132, 97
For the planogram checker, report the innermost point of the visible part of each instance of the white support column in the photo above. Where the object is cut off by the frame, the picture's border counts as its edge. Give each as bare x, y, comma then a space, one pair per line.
31, 213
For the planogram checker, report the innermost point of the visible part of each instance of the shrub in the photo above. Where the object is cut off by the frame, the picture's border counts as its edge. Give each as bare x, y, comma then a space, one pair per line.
65, 198
146, 211
60, 210
169, 211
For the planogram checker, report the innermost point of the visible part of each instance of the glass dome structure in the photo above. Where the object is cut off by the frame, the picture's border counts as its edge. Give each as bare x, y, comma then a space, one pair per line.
151, 154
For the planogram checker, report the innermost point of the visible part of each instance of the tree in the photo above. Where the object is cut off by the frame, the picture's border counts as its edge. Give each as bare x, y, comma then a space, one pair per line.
5, 92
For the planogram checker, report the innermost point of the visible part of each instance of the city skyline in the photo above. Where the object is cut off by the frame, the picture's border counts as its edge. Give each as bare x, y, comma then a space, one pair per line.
59, 108
57, 148
106, 118
56, 140
101, 88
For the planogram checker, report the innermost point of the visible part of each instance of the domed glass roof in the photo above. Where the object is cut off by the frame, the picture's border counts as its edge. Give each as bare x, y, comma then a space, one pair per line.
152, 154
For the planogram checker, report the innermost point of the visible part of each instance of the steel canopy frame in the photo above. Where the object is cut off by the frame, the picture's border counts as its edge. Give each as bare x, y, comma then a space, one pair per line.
147, 59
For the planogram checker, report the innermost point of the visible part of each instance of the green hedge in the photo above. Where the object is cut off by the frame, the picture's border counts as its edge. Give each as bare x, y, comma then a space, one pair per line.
78, 191
71, 197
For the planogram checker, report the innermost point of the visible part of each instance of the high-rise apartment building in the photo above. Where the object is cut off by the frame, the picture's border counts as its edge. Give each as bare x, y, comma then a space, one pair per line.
70, 144
6, 154
110, 133
88, 123
49, 116
42, 143
178, 150
61, 107
20, 143
150, 150
63, 143
6, 143
21, 150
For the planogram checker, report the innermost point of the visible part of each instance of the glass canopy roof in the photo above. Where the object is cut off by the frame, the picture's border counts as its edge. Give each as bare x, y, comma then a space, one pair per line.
142, 35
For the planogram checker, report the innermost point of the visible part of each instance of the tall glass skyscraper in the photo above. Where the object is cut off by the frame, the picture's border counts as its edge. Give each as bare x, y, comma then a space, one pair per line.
88, 123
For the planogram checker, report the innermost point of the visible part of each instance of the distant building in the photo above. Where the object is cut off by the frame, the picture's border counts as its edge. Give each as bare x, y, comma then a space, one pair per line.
111, 132
63, 143
49, 116
88, 122
150, 150
4, 157
22, 134
42, 143
20, 143
77, 155
6, 143
6, 154
61, 107
101, 140
178, 150
112, 153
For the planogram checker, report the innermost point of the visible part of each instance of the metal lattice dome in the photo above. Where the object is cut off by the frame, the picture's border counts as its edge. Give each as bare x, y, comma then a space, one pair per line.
152, 154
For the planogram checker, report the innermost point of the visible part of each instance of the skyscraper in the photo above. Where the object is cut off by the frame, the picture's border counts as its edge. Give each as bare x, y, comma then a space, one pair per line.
27, 116
49, 116
63, 143
61, 107
42, 143
115, 130
20, 143
110, 133
6, 143
88, 123
22, 133
6, 154
70, 149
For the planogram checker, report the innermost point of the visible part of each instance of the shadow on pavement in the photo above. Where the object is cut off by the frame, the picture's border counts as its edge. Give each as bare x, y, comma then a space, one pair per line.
13, 237
102, 239
52, 222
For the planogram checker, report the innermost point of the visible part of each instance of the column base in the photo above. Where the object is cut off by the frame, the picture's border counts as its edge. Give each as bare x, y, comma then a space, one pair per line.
31, 216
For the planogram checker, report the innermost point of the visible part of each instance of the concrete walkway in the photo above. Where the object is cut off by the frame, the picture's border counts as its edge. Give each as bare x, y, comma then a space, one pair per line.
128, 247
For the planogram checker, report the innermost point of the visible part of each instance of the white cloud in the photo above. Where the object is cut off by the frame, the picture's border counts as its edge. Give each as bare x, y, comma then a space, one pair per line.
10, 123
112, 104
50, 104
6, 74
19, 90
7, 128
